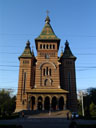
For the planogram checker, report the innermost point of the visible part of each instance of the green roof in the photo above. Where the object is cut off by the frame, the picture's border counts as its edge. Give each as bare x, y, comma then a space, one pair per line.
47, 32
67, 52
27, 51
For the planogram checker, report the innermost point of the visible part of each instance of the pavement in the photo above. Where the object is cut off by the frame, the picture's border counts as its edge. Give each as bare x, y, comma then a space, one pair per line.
39, 122
45, 122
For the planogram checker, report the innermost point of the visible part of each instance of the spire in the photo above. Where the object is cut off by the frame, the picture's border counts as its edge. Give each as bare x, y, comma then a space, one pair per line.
66, 44
67, 51
28, 44
47, 20
32, 51
47, 31
27, 51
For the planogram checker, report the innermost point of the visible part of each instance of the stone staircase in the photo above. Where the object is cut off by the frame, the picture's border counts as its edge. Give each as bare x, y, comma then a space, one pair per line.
47, 114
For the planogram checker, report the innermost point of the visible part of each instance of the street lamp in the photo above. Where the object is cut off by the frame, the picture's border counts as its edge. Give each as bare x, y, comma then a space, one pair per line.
81, 94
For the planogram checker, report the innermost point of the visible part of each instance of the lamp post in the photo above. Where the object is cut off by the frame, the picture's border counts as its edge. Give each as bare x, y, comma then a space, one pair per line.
82, 103
81, 94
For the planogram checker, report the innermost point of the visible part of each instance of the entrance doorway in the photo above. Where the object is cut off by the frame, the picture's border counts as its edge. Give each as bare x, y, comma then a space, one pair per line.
47, 103
54, 103
32, 102
61, 103
39, 103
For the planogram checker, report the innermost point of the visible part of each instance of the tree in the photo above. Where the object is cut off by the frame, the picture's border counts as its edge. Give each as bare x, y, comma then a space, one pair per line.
89, 102
92, 93
7, 103
79, 108
93, 109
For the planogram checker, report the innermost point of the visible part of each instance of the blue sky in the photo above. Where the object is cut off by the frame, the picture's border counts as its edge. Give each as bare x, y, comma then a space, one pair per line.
72, 20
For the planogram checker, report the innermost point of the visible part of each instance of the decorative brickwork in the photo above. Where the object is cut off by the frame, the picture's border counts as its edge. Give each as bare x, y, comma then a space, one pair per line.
47, 82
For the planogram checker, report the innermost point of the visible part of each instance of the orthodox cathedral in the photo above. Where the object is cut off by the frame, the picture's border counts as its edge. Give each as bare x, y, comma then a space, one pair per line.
46, 81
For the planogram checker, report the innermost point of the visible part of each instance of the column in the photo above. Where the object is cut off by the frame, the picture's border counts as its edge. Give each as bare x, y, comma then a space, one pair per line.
28, 102
51, 103
36, 103
43, 103
64, 102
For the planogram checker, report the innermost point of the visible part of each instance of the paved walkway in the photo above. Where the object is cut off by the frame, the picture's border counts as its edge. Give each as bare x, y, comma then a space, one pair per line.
39, 122
45, 122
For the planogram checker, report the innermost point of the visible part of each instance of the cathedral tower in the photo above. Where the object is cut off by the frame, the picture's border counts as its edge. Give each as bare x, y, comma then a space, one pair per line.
26, 77
47, 66
68, 77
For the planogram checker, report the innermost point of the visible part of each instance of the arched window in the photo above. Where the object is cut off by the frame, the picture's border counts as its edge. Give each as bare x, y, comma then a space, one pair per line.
49, 72
44, 46
54, 103
50, 46
24, 82
46, 70
47, 103
61, 103
47, 82
40, 46
23, 102
53, 46
47, 46
32, 103
43, 72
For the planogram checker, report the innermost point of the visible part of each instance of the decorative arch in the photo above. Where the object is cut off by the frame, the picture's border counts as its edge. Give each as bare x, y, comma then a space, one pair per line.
54, 103
47, 95
40, 99
47, 63
61, 103
33, 100
47, 103
55, 96
48, 82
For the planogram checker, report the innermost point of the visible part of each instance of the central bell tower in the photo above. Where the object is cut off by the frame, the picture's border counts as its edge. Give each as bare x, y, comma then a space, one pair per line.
47, 66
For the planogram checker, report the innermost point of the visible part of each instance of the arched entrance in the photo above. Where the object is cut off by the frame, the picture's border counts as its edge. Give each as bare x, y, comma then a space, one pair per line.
39, 103
32, 102
47, 103
54, 103
61, 103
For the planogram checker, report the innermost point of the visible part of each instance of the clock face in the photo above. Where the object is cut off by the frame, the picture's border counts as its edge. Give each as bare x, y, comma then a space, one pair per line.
47, 56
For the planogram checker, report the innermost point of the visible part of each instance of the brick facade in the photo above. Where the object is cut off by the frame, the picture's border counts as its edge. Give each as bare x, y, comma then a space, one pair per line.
47, 81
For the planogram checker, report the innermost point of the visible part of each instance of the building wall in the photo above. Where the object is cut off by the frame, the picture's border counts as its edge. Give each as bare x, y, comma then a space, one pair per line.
62, 76
25, 82
68, 82
47, 58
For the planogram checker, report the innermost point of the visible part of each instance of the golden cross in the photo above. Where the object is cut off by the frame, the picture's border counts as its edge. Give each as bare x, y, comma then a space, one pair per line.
47, 12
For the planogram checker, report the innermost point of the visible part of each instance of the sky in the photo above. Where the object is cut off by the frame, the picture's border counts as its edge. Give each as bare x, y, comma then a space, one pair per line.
72, 20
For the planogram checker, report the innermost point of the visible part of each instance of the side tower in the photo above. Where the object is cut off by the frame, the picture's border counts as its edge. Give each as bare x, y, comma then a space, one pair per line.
26, 77
68, 77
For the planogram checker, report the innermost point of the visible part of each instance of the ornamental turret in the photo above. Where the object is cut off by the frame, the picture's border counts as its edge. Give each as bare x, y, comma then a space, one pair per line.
68, 76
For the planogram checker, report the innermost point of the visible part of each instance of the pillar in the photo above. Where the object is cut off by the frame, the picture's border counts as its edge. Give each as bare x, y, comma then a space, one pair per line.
65, 102
36, 103
28, 102
43, 103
